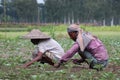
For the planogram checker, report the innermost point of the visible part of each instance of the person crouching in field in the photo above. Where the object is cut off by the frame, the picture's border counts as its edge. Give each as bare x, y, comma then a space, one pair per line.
47, 49
89, 47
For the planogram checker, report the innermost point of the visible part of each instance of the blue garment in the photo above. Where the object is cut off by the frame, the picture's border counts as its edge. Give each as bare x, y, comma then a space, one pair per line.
94, 63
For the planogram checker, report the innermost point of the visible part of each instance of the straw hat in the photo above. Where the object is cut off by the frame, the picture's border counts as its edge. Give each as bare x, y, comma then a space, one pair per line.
36, 34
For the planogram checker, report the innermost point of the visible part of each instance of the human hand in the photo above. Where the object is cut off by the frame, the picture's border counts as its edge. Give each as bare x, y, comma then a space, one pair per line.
19, 67
57, 65
24, 66
77, 61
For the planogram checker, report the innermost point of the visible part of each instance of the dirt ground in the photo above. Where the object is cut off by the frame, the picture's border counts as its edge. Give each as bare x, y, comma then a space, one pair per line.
76, 68
110, 68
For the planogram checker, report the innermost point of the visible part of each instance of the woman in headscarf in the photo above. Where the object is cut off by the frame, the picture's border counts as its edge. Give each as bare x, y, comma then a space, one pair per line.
89, 47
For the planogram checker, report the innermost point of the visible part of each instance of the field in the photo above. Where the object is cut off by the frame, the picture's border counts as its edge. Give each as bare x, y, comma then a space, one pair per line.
15, 51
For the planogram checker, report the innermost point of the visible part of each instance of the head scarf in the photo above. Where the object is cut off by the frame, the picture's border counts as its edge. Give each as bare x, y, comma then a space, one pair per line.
83, 37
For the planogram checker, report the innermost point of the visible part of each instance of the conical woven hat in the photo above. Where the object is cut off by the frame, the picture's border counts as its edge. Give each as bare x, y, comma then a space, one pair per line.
36, 34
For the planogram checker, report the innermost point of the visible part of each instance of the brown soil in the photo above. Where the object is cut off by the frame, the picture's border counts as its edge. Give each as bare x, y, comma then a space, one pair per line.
110, 68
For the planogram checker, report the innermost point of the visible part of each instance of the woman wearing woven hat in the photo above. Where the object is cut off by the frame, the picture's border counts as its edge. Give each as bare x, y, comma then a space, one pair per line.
89, 47
47, 49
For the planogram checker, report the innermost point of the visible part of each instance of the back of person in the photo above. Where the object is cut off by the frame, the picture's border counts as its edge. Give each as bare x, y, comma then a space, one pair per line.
51, 46
97, 49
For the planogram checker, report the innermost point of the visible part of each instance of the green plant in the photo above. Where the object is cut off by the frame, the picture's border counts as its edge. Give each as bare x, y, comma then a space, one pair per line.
14, 51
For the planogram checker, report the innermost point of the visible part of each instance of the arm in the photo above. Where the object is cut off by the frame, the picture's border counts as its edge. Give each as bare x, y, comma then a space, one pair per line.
69, 54
39, 56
